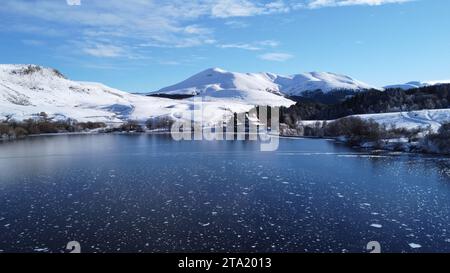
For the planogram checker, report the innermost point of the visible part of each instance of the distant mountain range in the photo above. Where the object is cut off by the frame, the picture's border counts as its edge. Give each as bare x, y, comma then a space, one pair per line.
416, 84
216, 82
27, 90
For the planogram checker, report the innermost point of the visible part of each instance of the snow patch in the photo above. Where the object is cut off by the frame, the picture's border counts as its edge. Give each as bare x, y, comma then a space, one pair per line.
414, 245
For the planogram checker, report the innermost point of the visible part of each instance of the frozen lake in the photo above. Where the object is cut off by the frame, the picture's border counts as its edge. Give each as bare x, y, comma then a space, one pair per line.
148, 193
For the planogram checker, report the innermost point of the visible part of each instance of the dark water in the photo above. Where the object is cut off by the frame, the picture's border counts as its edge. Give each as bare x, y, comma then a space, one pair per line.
125, 193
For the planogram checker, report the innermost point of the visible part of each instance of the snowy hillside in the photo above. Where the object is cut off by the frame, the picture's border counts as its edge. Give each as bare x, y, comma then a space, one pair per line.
421, 119
412, 120
258, 85
416, 84
26, 90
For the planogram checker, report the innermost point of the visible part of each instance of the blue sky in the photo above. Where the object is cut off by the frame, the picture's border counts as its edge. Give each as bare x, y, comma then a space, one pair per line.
140, 45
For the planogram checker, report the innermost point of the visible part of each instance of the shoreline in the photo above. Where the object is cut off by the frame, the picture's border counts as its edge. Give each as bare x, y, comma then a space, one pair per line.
372, 147
365, 145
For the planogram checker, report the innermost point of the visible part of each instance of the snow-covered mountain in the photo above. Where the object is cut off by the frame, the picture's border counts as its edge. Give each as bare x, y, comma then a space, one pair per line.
416, 84
219, 85
217, 82
26, 90
210, 81
327, 82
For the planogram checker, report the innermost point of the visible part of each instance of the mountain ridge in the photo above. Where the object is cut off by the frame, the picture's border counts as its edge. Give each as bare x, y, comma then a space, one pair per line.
27, 90
416, 84
211, 80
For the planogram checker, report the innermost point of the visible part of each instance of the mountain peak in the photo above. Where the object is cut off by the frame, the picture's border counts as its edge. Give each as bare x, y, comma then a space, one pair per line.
30, 69
217, 69
212, 70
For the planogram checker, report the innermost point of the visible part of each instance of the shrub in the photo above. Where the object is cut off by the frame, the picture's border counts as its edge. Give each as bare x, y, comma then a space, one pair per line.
440, 141
411, 134
159, 123
43, 125
316, 130
30, 69
47, 127
131, 126
20, 132
355, 130
90, 125
4, 129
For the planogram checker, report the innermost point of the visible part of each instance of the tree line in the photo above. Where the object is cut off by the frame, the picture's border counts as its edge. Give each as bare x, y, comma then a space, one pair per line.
370, 102
42, 124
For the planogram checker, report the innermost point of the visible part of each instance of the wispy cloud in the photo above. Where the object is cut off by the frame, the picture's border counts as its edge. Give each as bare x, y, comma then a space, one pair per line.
236, 24
140, 24
169, 62
254, 46
342, 3
269, 43
108, 51
73, 2
32, 42
235, 8
276, 57
150, 23
241, 46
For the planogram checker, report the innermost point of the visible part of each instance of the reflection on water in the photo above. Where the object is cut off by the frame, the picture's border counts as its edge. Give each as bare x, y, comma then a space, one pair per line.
143, 193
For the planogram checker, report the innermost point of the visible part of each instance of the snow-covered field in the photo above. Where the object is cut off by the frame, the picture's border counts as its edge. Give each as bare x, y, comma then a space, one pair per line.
409, 120
412, 120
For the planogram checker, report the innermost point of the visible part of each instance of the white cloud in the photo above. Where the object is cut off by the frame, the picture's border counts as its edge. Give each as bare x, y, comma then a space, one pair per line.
148, 23
254, 46
235, 8
241, 46
236, 24
269, 43
101, 50
73, 2
276, 57
195, 29
341, 3
245, 8
165, 23
277, 7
